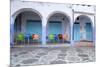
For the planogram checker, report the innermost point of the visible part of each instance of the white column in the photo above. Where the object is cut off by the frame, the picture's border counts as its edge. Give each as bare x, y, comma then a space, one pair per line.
94, 31
71, 25
11, 31
44, 31
71, 37
94, 34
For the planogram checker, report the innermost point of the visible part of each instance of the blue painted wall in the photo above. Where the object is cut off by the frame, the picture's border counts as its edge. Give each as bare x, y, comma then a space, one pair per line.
76, 31
34, 27
55, 27
89, 33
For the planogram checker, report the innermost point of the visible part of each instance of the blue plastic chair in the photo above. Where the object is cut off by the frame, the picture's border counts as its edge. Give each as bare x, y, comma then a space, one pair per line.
27, 37
56, 37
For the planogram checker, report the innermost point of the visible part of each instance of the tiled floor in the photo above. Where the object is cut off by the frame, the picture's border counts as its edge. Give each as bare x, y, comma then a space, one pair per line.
58, 55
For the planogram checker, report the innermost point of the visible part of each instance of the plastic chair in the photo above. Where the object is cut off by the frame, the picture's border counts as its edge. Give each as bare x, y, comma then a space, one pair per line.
20, 37
51, 37
55, 37
35, 37
65, 37
60, 37
27, 37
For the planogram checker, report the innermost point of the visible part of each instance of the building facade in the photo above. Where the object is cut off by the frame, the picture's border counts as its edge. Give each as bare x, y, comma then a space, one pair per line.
75, 20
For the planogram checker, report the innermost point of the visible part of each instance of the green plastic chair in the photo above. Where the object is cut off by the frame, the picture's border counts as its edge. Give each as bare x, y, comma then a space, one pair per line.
51, 37
20, 37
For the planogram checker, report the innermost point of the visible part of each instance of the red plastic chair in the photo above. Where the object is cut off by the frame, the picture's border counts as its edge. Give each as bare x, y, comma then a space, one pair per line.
65, 37
35, 37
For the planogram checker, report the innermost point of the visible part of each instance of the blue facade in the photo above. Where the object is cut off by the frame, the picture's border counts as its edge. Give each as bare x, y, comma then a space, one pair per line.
55, 27
34, 27
89, 33
76, 31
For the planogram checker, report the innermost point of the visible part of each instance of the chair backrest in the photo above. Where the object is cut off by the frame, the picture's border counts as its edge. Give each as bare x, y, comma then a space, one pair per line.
36, 36
51, 36
65, 37
56, 36
33, 35
20, 37
27, 35
60, 36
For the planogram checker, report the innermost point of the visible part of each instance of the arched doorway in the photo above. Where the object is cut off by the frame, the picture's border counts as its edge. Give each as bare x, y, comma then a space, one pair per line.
82, 29
58, 28
28, 24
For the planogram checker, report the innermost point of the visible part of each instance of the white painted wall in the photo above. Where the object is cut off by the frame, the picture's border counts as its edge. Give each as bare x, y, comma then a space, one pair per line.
84, 8
45, 10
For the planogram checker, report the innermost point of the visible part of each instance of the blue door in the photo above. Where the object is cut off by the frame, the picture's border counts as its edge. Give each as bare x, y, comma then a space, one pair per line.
34, 27
89, 33
55, 27
76, 29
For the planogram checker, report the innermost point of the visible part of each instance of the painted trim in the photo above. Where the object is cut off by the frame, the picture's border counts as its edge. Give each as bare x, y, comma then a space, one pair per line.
84, 13
33, 21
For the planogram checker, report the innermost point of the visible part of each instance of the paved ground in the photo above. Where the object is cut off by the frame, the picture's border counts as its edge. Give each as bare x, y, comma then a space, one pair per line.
21, 56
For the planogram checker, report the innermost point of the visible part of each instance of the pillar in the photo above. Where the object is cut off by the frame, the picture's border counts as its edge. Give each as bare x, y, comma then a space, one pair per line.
93, 31
11, 32
71, 32
44, 31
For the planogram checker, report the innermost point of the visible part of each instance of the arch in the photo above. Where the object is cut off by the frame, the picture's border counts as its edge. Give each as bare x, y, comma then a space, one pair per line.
58, 22
83, 28
28, 22
26, 9
86, 16
60, 12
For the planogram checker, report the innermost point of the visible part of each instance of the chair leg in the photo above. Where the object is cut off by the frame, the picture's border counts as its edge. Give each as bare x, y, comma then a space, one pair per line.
63, 41
15, 42
38, 41
24, 41
28, 41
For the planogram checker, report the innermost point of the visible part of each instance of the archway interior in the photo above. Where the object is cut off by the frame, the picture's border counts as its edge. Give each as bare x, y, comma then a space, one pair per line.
83, 29
28, 22
58, 24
